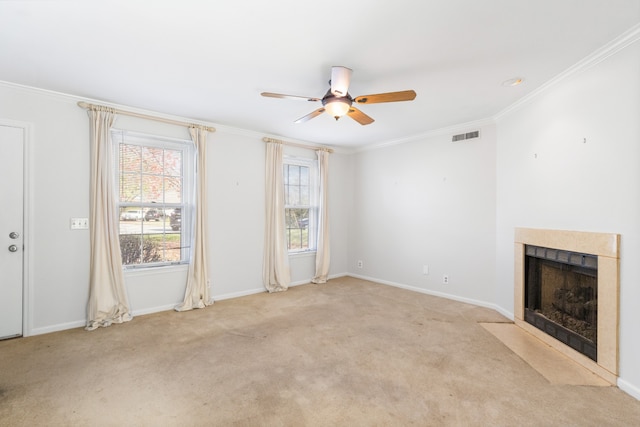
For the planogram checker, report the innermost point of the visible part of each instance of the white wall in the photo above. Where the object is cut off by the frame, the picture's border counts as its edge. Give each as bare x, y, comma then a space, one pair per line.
427, 202
549, 177
59, 181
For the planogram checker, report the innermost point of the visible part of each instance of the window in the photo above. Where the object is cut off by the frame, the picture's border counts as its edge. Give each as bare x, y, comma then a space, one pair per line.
155, 182
300, 198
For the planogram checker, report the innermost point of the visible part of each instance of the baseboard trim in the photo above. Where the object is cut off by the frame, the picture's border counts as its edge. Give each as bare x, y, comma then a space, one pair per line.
308, 281
629, 388
157, 309
465, 300
260, 290
231, 295
57, 328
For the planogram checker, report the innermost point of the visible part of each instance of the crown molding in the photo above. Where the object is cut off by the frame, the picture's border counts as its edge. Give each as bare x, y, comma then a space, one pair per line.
260, 135
626, 39
65, 97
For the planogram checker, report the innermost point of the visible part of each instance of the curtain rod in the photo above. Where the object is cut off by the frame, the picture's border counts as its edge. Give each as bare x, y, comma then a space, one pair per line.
293, 144
88, 106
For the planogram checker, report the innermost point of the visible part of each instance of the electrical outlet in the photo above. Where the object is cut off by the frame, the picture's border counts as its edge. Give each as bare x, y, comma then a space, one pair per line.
425, 270
445, 279
360, 264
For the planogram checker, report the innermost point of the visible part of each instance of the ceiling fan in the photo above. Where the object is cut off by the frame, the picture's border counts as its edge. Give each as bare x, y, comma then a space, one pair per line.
337, 102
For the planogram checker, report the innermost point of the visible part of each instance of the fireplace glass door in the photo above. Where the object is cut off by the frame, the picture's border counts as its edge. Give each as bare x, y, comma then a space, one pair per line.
561, 296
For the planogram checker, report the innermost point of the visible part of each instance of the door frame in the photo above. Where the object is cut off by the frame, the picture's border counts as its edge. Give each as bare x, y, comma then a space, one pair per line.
27, 217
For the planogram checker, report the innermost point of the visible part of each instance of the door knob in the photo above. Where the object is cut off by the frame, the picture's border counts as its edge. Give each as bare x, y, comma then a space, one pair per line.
13, 248
14, 235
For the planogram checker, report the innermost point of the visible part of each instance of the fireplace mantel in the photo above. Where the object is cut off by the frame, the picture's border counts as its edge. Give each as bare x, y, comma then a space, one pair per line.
607, 248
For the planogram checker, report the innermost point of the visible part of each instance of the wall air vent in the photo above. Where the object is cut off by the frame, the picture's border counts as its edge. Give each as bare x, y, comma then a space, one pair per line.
464, 136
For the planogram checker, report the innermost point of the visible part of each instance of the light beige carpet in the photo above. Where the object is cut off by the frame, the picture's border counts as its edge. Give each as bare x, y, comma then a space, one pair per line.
347, 353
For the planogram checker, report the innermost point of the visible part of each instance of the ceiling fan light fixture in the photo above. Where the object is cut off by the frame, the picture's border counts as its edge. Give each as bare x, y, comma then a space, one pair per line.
337, 107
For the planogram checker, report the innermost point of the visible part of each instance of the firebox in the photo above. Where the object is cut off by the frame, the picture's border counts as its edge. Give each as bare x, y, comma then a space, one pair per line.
561, 296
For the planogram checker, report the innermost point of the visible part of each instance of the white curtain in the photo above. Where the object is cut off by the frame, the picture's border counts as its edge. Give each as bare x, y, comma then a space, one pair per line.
197, 291
108, 302
275, 267
322, 254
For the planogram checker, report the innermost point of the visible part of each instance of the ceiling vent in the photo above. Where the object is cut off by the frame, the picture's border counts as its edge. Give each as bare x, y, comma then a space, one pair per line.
464, 136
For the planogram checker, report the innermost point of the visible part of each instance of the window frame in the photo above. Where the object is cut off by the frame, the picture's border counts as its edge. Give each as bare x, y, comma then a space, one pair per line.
314, 198
187, 205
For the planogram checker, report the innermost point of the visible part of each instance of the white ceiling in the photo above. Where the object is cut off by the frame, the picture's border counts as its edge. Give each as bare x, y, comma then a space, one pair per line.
210, 60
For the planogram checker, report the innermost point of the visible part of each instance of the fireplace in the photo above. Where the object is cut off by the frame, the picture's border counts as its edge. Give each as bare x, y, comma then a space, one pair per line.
561, 296
566, 293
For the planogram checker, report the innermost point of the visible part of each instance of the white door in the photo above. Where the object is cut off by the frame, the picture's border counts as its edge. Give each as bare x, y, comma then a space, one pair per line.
11, 230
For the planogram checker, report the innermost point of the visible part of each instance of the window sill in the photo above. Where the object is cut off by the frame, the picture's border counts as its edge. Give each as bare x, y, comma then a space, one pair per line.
151, 271
302, 254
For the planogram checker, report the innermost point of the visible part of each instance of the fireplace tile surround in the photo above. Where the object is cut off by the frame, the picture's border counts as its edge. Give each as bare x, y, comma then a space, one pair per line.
607, 248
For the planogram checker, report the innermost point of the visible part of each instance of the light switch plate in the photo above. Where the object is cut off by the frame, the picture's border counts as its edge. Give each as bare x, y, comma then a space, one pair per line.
79, 223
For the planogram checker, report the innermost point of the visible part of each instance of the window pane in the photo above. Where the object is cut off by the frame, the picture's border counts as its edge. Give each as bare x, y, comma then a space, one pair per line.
154, 214
173, 251
173, 190
304, 238
152, 161
130, 235
290, 218
302, 215
294, 195
151, 189
130, 156
293, 239
304, 175
294, 175
152, 248
304, 196
129, 187
172, 163
130, 247
127, 215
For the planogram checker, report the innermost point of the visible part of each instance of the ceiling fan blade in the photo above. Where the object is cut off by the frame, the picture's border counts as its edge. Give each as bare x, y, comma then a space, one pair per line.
280, 95
405, 95
340, 79
310, 116
359, 116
